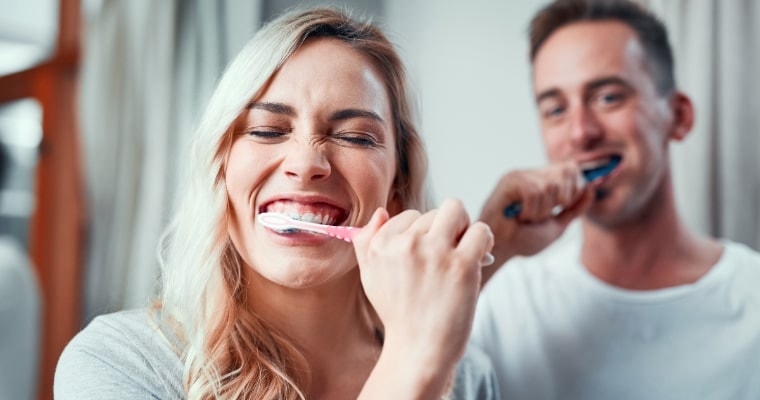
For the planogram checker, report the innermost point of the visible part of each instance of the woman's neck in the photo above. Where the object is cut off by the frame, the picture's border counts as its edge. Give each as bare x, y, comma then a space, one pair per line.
332, 325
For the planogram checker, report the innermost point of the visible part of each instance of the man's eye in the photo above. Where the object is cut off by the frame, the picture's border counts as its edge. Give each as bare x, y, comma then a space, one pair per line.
609, 99
550, 112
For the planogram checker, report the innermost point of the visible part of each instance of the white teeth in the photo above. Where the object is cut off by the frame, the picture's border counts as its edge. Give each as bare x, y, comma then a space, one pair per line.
308, 217
304, 212
595, 163
315, 218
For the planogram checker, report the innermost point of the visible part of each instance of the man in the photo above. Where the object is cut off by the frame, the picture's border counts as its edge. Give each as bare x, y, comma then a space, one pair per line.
642, 307
19, 314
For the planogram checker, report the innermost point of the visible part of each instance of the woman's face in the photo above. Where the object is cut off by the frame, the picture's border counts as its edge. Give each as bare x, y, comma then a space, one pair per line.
317, 145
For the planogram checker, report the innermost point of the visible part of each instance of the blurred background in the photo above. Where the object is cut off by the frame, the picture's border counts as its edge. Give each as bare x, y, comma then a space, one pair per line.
99, 97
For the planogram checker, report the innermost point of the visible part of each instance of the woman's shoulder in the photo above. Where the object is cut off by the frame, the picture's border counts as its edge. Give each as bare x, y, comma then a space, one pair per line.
123, 331
475, 378
120, 355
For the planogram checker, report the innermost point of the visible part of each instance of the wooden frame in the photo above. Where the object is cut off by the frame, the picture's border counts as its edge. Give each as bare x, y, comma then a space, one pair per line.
58, 223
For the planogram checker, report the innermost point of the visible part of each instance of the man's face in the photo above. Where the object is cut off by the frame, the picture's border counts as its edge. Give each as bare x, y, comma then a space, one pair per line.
597, 99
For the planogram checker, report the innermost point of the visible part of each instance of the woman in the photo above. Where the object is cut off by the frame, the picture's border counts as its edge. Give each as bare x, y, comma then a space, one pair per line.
311, 119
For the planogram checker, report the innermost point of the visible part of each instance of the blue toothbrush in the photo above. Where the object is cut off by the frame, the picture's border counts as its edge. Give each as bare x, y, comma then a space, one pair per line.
514, 209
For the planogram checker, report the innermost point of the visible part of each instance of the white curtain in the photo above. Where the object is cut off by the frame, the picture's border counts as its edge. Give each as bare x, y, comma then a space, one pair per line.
717, 168
149, 67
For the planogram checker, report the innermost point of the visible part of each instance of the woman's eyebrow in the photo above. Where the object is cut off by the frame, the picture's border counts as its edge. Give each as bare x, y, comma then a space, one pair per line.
277, 108
349, 113
356, 113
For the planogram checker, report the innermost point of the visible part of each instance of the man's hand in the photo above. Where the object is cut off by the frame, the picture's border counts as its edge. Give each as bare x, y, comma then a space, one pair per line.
550, 198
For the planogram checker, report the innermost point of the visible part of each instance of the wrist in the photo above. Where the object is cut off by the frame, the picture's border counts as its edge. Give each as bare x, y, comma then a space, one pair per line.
410, 371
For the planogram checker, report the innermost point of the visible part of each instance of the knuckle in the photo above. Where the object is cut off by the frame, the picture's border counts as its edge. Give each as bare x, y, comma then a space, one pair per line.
570, 173
553, 188
409, 243
411, 213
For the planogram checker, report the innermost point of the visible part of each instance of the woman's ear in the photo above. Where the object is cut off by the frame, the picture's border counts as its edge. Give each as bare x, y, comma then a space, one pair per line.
683, 116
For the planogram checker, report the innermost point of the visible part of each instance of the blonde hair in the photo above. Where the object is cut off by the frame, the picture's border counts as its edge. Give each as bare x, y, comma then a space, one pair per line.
229, 352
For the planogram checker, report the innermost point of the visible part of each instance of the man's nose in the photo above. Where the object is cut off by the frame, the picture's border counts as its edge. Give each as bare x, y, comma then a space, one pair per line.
585, 129
306, 161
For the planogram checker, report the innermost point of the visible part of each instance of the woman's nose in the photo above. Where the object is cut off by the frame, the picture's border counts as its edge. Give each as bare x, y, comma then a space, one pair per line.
306, 161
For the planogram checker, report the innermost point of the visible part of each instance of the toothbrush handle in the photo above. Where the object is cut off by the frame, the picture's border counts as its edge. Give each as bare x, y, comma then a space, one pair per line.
512, 210
346, 233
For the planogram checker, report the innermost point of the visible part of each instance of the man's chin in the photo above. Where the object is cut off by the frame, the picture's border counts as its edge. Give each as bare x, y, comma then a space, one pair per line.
604, 213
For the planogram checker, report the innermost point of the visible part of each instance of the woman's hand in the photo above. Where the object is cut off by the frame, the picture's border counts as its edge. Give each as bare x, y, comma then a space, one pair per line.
421, 272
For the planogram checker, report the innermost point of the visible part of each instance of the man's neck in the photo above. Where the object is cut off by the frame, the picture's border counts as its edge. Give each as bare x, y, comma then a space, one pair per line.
653, 252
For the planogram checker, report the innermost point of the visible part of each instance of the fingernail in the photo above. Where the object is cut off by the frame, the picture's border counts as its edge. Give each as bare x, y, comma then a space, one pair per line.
487, 260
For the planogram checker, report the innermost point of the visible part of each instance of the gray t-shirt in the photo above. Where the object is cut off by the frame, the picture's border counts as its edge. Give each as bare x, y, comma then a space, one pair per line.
123, 356
20, 327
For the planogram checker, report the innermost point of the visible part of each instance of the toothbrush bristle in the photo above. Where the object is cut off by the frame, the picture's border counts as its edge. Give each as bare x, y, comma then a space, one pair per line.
287, 225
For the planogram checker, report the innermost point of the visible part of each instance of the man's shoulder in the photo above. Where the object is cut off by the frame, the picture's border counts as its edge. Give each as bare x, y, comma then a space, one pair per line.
741, 249
740, 257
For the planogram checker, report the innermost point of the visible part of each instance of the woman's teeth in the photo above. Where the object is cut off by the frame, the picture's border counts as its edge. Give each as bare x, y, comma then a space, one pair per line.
310, 217
305, 212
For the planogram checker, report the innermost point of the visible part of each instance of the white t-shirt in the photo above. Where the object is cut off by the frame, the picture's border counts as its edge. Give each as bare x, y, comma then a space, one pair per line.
554, 331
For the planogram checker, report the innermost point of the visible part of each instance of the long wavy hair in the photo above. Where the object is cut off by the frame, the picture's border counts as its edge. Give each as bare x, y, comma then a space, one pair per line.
229, 352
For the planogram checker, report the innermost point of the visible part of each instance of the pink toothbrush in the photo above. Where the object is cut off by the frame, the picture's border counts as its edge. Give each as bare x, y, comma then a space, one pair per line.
283, 223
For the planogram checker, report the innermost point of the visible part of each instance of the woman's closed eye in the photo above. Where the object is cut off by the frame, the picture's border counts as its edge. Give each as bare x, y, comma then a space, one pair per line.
355, 139
268, 134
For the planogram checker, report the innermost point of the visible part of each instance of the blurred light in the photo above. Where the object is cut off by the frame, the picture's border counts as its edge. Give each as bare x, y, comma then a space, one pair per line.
27, 33
29, 21
21, 123
16, 56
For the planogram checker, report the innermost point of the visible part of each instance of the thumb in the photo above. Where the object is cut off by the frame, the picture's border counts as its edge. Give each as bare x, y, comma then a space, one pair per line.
361, 241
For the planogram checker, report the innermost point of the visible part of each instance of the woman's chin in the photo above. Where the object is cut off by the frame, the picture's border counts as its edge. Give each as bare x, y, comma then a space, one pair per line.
300, 273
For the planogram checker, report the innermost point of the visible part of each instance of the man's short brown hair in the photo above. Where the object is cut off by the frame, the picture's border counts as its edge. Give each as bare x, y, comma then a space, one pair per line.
650, 31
